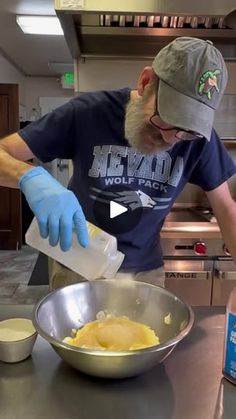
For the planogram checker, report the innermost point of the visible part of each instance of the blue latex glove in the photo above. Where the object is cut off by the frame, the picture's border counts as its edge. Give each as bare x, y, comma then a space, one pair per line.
56, 208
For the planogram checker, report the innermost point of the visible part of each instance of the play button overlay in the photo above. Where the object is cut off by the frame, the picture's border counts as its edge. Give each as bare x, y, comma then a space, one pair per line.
117, 209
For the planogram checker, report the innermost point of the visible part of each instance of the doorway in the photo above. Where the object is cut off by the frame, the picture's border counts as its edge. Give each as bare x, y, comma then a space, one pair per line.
10, 212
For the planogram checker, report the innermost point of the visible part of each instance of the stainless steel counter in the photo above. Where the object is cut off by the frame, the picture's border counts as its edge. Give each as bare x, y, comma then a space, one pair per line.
188, 385
185, 230
190, 222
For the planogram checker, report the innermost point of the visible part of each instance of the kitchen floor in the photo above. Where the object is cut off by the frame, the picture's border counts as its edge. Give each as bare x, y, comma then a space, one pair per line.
16, 268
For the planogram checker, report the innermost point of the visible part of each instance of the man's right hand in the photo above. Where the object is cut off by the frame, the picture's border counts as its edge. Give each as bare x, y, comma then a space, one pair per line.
56, 208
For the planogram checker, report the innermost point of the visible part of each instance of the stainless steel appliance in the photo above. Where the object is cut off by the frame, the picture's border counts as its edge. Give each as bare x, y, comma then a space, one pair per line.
132, 29
198, 265
224, 280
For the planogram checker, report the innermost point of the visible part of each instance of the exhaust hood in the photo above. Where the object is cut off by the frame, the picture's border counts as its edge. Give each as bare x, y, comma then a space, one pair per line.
128, 29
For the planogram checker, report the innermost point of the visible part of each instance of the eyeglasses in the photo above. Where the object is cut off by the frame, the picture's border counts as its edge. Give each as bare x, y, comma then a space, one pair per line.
181, 134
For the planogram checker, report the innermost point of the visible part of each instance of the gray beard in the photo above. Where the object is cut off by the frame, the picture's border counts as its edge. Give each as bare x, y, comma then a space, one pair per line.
136, 129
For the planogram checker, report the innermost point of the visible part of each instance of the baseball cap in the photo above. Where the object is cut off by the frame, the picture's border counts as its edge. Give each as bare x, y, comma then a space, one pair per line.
192, 79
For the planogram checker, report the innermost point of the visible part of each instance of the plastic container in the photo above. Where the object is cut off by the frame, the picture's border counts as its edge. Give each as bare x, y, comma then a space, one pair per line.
100, 259
34, 115
229, 361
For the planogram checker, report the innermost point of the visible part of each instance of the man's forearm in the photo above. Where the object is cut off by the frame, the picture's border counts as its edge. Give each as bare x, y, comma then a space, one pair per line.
11, 169
228, 229
224, 208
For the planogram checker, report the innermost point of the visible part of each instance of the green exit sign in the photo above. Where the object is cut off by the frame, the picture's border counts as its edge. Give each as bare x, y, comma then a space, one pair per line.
68, 79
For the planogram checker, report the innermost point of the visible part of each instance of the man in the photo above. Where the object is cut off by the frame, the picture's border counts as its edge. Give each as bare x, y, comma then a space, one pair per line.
147, 142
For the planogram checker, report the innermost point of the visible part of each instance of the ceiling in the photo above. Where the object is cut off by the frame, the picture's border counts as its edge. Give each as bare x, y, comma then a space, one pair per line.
31, 54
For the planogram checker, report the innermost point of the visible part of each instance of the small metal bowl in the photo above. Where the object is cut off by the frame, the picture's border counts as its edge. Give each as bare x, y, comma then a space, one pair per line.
73, 306
18, 344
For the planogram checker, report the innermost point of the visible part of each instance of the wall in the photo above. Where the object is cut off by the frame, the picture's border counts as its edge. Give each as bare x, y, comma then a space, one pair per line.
231, 86
10, 74
108, 74
225, 121
36, 87
30, 88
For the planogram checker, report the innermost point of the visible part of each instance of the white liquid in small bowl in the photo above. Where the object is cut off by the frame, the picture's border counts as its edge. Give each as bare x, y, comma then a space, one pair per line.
12, 330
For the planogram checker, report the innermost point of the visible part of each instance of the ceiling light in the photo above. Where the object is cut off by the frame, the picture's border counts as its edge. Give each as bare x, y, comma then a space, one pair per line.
40, 25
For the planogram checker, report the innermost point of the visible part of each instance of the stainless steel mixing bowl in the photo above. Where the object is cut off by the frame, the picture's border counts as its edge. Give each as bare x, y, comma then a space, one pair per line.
72, 306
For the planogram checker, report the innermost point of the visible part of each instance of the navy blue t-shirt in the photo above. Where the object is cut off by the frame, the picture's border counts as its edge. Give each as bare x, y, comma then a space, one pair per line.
89, 130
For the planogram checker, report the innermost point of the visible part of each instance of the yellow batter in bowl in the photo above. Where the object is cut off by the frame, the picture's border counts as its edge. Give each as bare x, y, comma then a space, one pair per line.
114, 334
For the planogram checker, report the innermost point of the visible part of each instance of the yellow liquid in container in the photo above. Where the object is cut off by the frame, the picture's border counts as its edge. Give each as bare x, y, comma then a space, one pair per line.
114, 334
101, 259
